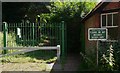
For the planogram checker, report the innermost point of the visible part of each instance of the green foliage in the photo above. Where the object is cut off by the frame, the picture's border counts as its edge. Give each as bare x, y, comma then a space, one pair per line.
87, 63
46, 17
11, 39
35, 56
117, 54
109, 57
108, 62
66, 11
1, 39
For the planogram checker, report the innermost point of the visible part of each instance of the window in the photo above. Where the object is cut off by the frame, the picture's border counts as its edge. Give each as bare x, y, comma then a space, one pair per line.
109, 19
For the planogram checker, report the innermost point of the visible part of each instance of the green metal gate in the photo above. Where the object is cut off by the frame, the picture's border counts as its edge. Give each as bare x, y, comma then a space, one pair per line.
34, 35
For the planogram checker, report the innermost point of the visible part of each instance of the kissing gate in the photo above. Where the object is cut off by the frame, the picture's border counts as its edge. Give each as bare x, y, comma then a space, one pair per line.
34, 35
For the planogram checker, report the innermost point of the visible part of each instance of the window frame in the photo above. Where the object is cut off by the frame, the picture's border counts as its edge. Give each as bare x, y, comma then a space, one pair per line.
106, 25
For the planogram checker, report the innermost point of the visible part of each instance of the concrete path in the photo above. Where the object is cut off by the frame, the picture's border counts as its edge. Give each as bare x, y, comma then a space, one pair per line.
72, 64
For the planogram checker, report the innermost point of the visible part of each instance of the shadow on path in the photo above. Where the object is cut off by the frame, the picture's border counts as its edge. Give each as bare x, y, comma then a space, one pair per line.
72, 63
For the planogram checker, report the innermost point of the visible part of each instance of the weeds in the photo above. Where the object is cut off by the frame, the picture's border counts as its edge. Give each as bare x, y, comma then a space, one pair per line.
87, 63
36, 56
107, 60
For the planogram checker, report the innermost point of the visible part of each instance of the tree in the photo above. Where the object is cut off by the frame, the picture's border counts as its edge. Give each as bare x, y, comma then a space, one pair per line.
16, 11
68, 10
71, 13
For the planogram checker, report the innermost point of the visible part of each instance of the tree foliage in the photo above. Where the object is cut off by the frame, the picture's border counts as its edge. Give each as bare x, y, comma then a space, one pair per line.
71, 13
66, 11
16, 11
52, 11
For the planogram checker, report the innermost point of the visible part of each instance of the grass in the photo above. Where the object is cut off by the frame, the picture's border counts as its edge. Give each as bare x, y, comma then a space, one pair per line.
0, 51
1, 39
40, 57
36, 56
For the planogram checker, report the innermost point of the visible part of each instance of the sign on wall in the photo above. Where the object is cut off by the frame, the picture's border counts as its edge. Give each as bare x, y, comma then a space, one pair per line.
97, 34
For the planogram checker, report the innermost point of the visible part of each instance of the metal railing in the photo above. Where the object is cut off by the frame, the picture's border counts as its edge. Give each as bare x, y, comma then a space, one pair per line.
36, 36
29, 49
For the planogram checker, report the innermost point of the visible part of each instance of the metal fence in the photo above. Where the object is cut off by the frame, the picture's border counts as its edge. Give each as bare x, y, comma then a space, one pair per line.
33, 35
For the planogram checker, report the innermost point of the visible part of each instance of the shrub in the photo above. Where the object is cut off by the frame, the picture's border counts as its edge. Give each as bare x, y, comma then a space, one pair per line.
1, 39
87, 63
108, 62
11, 39
111, 58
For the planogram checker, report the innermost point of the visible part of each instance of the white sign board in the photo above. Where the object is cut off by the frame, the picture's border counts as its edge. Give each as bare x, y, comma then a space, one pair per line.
97, 34
19, 32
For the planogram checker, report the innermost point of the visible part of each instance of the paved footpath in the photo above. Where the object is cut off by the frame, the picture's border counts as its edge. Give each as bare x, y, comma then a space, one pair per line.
72, 64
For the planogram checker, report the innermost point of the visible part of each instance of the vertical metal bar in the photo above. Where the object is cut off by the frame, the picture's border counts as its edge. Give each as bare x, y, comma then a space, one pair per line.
41, 33
33, 34
49, 33
62, 43
35, 30
63, 39
60, 34
15, 28
25, 34
30, 33
54, 30
13, 32
44, 31
5, 37
27, 41
21, 35
23, 26
18, 36
54, 34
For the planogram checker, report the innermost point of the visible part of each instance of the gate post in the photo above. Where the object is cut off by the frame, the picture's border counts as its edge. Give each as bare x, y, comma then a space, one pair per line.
63, 42
58, 52
4, 37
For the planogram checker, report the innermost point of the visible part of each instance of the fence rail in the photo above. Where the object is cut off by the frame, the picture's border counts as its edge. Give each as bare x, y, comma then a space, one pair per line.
28, 37
33, 34
29, 49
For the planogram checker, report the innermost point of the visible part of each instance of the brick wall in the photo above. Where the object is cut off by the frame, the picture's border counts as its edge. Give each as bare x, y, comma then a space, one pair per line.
112, 5
92, 22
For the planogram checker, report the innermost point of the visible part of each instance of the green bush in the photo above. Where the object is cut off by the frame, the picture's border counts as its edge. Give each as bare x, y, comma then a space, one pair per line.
11, 39
108, 60
87, 63
1, 39
117, 54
